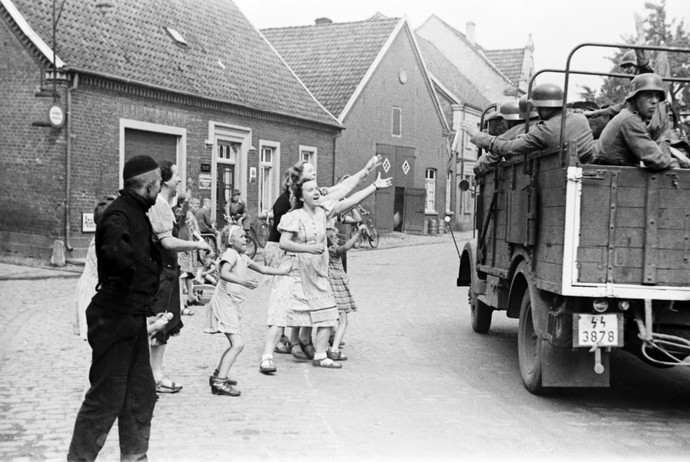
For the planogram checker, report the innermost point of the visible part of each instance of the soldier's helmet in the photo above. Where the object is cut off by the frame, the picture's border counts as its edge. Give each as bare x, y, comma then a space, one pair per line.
647, 82
629, 58
526, 109
510, 110
547, 95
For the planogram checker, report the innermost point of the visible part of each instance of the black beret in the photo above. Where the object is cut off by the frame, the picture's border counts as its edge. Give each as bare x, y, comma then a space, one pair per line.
138, 165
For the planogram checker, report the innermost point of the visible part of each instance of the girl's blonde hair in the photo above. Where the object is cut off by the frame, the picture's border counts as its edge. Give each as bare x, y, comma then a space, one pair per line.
225, 234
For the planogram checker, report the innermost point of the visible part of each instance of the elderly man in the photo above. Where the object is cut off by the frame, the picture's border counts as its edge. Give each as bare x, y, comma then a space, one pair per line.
122, 385
626, 139
547, 99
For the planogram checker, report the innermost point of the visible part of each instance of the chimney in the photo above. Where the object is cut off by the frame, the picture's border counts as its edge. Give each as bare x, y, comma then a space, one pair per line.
470, 27
322, 21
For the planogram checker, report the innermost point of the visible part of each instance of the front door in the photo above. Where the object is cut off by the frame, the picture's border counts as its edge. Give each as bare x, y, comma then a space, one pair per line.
225, 183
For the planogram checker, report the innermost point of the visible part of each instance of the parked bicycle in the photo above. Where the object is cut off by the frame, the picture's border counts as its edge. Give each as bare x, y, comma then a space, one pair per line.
368, 233
261, 228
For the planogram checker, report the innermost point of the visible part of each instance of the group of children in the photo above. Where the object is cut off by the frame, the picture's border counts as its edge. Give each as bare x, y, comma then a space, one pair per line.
234, 280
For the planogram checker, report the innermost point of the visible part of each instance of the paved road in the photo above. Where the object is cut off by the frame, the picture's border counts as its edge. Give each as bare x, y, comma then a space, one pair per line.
419, 384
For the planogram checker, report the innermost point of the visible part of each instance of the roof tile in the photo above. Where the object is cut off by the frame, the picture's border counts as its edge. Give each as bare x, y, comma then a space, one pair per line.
332, 59
129, 41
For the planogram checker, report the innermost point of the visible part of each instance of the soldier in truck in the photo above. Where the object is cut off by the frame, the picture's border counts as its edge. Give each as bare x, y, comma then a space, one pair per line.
547, 99
626, 139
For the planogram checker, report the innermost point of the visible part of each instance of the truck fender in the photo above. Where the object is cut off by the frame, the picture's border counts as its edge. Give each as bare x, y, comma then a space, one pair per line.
467, 270
521, 281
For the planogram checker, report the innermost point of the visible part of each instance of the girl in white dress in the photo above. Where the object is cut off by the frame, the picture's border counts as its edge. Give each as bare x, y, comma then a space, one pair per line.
226, 304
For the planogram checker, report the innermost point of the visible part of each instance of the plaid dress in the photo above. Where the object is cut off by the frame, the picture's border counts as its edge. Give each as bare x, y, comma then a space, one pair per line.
340, 283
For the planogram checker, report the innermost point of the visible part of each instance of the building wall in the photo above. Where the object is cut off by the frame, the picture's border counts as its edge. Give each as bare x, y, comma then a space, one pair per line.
369, 121
32, 166
483, 76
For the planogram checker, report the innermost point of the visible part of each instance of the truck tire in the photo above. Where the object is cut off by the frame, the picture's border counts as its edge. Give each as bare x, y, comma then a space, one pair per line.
480, 313
529, 349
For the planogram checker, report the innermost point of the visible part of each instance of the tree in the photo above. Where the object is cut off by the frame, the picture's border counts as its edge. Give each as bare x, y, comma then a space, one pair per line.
656, 31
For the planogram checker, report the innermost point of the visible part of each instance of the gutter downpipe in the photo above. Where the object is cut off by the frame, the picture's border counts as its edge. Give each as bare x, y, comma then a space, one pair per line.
68, 161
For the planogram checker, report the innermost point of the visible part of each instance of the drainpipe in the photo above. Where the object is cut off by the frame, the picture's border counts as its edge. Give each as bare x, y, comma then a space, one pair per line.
68, 161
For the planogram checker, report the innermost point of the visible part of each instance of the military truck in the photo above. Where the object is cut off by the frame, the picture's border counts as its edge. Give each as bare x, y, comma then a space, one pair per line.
588, 258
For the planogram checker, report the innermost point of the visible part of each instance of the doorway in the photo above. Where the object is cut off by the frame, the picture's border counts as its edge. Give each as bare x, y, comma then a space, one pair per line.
225, 183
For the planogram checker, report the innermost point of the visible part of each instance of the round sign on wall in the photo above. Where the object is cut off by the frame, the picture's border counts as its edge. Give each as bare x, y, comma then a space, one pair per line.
56, 116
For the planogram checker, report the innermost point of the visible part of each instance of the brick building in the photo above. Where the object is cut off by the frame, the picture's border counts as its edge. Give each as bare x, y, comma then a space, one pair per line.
371, 76
199, 86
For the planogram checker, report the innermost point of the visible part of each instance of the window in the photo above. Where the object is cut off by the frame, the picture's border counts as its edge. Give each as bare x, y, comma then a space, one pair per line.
308, 154
396, 119
268, 174
430, 184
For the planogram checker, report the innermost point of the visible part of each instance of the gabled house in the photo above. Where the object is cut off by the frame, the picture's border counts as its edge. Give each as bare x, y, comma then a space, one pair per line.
371, 76
461, 101
497, 74
197, 85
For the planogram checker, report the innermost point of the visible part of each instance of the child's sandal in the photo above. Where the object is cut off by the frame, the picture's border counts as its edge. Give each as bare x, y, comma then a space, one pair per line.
326, 363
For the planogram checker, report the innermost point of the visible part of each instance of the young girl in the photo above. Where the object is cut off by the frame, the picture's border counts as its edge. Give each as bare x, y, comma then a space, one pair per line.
340, 284
226, 304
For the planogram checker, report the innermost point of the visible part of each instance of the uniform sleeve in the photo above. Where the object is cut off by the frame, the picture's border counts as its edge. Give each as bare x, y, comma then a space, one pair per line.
643, 147
486, 162
289, 223
530, 142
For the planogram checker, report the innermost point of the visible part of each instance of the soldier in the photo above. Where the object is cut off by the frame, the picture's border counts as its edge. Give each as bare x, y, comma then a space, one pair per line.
633, 62
626, 139
547, 98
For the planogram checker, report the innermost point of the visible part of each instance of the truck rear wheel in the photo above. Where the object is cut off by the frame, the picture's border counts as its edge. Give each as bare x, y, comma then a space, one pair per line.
480, 313
529, 351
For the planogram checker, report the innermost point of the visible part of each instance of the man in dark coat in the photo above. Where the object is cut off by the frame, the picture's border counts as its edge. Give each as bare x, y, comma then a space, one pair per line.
122, 385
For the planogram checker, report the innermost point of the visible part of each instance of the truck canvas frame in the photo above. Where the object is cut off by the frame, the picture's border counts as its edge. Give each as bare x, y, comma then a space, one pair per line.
587, 257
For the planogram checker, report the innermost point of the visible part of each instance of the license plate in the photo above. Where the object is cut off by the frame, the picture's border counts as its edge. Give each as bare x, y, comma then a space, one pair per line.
603, 330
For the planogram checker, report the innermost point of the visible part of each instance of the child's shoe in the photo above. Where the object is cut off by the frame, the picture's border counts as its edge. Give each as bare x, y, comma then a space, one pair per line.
222, 387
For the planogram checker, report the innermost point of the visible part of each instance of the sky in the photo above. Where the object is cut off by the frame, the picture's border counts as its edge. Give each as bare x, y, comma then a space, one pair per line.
556, 26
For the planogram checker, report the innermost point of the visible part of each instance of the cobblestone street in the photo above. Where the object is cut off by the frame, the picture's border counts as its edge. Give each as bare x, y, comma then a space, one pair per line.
418, 384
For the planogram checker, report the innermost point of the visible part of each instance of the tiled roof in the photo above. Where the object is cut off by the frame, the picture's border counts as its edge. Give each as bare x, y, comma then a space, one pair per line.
332, 59
450, 76
508, 61
225, 59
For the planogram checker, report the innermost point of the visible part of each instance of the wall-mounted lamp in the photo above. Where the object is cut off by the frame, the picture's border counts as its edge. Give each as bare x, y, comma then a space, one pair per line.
208, 143
251, 150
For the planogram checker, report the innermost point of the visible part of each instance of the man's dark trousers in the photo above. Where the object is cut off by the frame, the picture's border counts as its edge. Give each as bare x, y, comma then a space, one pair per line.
122, 386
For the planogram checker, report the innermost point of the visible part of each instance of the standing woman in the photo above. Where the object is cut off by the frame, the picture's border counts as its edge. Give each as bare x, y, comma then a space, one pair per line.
274, 255
303, 233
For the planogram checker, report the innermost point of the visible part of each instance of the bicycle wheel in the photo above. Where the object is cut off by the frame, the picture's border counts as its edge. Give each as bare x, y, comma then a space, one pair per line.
251, 246
373, 237
262, 232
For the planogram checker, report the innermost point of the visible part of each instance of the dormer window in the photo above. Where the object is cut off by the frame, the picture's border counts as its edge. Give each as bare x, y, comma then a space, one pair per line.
176, 36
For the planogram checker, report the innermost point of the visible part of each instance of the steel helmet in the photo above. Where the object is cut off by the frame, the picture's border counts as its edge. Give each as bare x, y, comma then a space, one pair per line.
510, 110
629, 58
647, 82
547, 95
526, 111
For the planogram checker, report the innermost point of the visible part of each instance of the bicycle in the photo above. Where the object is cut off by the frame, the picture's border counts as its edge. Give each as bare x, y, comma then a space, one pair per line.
261, 228
367, 228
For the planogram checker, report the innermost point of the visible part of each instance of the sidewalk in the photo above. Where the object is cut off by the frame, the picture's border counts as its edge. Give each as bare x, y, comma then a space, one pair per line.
12, 268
